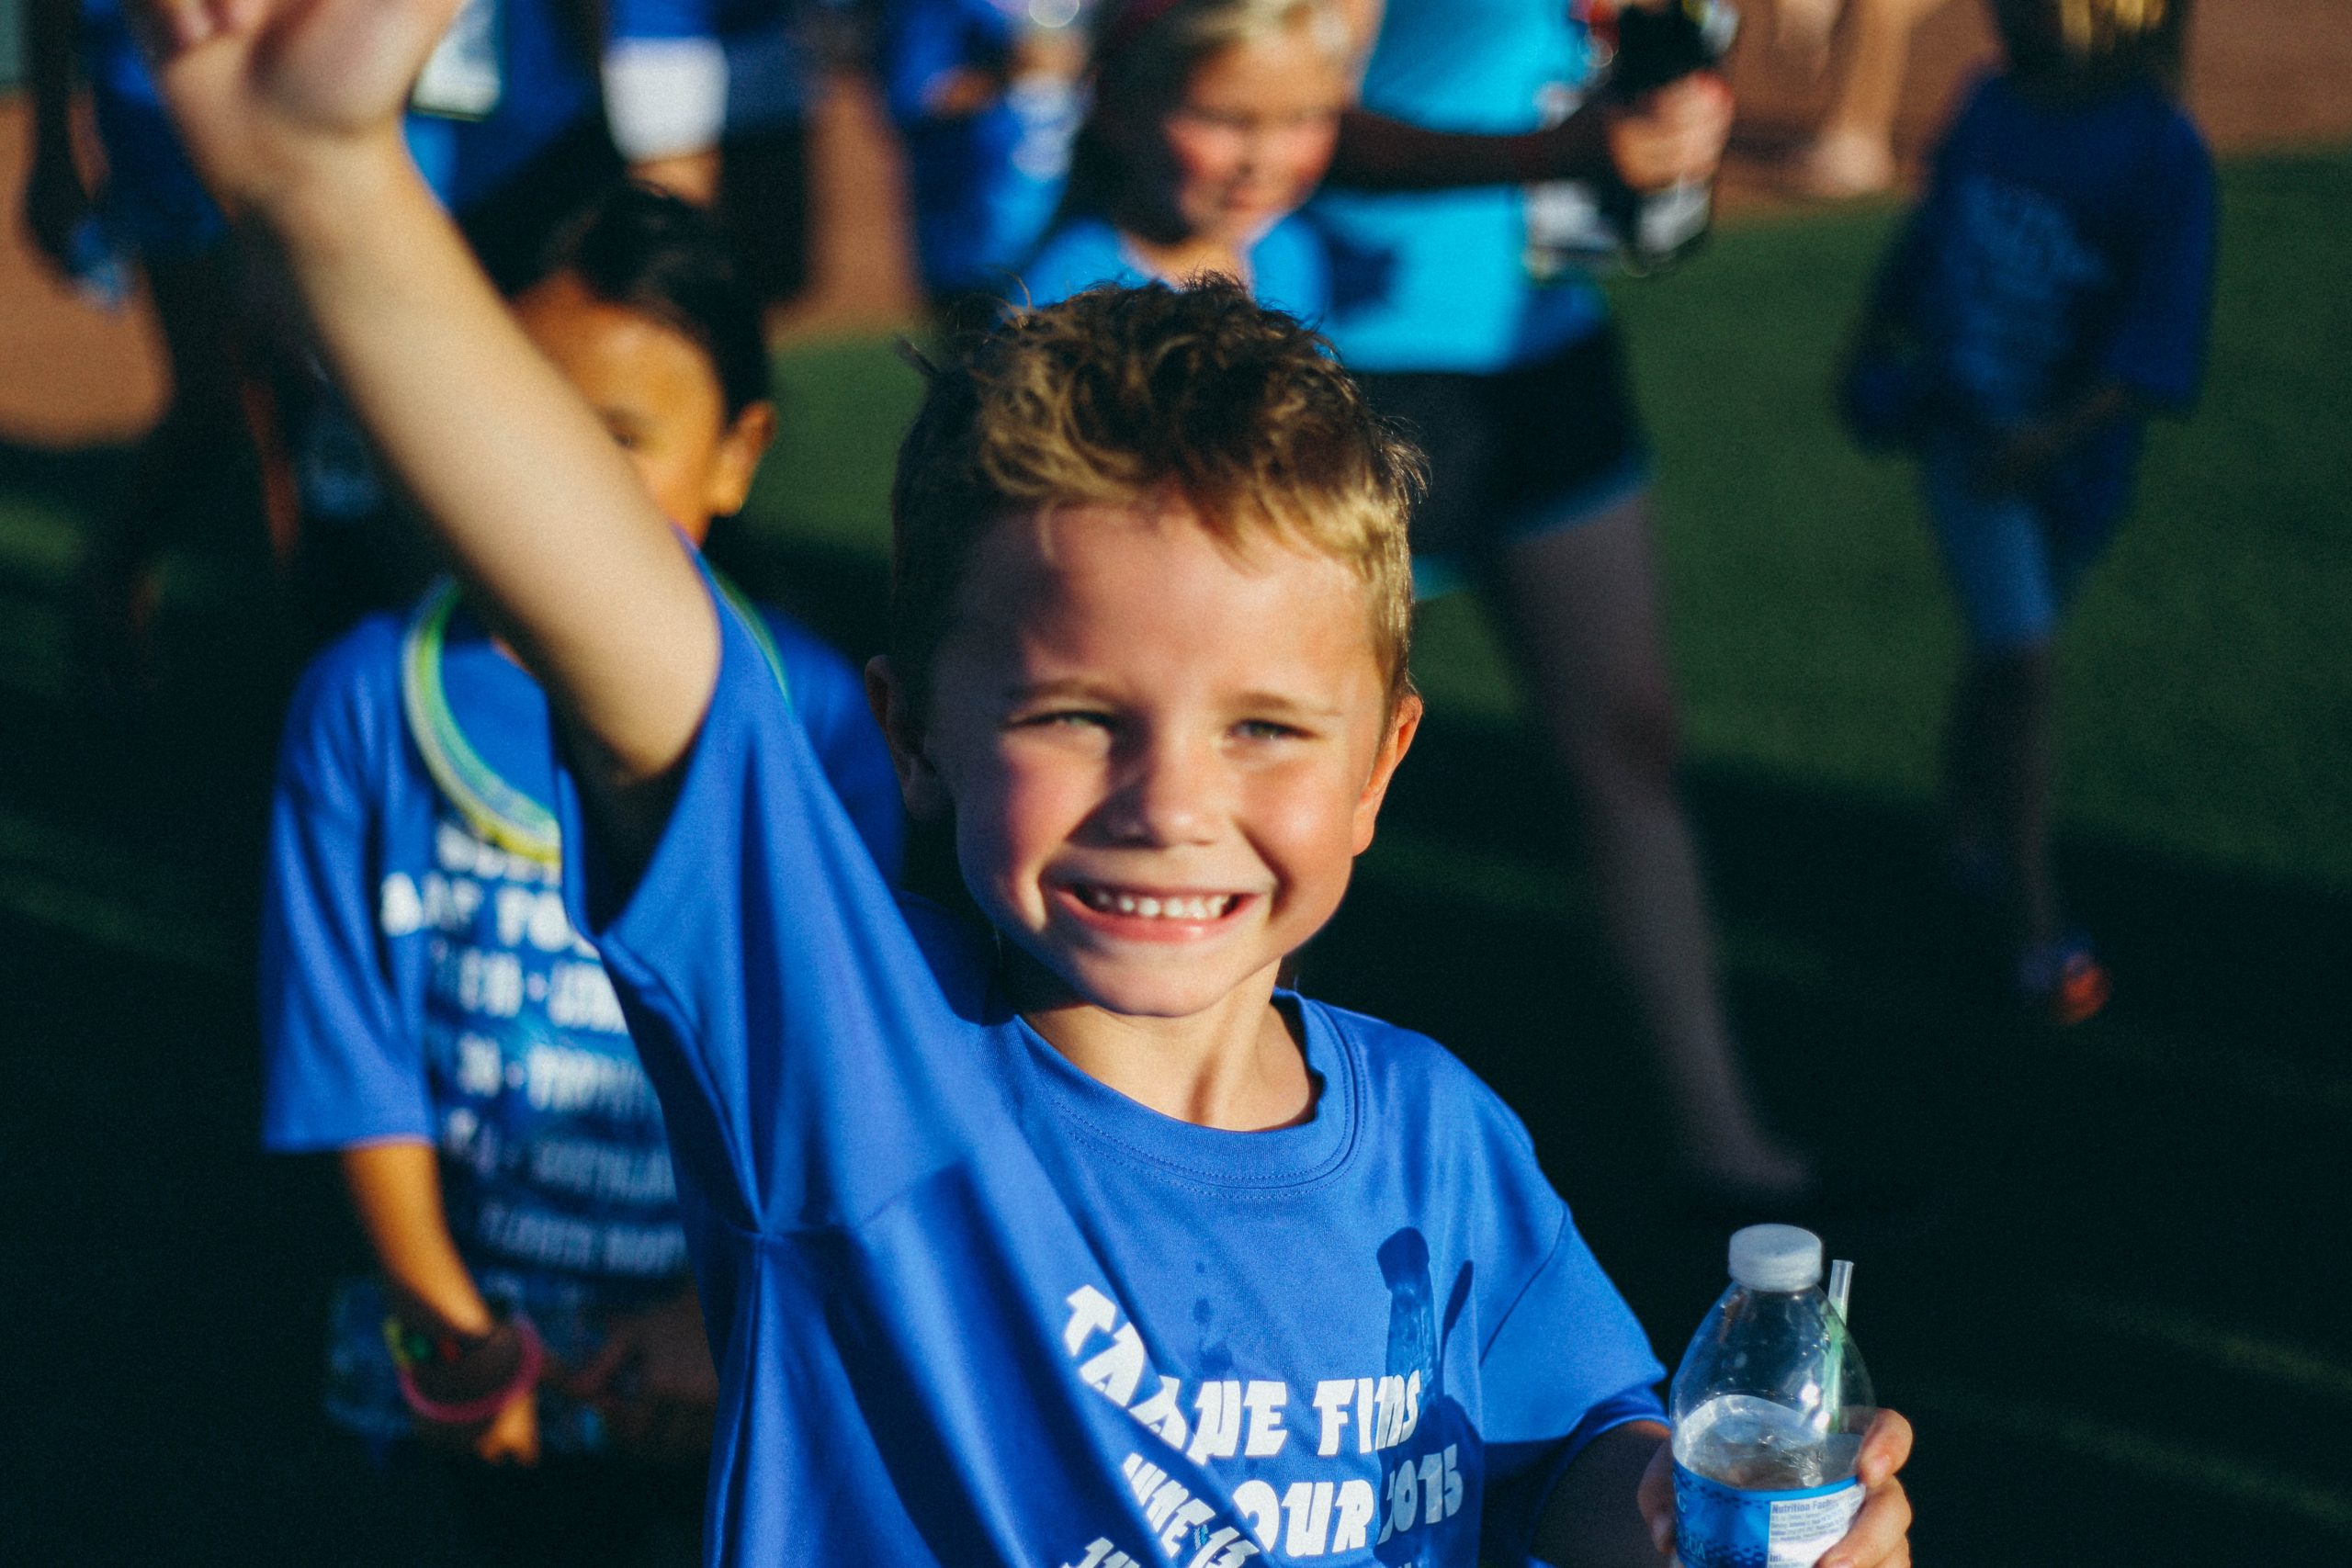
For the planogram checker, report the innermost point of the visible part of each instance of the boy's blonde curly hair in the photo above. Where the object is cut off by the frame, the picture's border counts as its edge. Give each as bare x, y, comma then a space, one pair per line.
1120, 397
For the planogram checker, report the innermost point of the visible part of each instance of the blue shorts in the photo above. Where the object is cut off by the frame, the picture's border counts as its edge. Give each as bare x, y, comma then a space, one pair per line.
2016, 560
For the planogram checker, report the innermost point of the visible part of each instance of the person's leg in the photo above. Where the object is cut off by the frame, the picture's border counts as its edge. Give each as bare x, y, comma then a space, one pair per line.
1998, 766
2011, 576
1581, 606
1852, 152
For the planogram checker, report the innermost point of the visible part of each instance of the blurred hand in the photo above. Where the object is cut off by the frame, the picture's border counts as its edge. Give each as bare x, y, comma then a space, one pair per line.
653, 1382
961, 93
265, 90
511, 1437
1672, 135
1880, 1536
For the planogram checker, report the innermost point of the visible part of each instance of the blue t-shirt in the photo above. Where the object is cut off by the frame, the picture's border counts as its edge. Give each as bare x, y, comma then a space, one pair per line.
1290, 269
982, 186
421, 981
2060, 245
972, 1307
1440, 280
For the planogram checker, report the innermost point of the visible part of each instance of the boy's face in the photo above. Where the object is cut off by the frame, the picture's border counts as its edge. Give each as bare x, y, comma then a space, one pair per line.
656, 392
1161, 757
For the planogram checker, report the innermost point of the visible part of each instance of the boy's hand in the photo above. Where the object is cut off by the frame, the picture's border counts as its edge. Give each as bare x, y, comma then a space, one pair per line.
653, 1382
1672, 135
511, 1437
268, 93
1880, 1537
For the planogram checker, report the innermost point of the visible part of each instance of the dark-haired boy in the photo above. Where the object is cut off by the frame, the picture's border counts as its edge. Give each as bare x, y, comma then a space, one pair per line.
1067, 1240
429, 1014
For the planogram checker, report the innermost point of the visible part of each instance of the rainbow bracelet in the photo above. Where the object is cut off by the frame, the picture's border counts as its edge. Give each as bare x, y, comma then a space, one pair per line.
411, 1346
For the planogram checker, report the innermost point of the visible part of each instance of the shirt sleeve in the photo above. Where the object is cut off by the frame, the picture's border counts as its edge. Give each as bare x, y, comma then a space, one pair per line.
810, 1064
342, 1062
1293, 269
1076, 256
1567, 1364
2157, 348
829, 697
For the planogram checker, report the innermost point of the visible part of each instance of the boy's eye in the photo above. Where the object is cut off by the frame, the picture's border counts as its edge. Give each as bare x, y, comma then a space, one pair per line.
1267, 729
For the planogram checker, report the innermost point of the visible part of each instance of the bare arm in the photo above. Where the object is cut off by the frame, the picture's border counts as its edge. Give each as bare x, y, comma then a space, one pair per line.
1376, 152
291, 110
1675, 133
396, 1192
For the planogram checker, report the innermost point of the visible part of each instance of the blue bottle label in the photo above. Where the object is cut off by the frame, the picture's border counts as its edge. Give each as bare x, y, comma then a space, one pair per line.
1723, 1527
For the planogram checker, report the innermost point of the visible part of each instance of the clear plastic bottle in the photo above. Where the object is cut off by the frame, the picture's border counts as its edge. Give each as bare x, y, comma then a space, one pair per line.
1768, 1408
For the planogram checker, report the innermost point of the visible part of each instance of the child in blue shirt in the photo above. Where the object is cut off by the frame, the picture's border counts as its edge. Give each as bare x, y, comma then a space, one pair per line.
429, 1012
985, 97
1466, 185
2051, 291
1066, 1236
1212, 122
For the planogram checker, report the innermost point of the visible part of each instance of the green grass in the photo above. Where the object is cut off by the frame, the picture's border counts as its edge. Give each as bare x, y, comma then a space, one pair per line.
2208, 708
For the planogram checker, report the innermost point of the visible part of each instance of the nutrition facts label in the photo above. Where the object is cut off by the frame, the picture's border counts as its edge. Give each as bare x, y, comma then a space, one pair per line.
1804, 1527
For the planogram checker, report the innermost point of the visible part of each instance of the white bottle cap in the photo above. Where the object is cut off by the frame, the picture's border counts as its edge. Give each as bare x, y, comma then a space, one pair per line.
1775, 1257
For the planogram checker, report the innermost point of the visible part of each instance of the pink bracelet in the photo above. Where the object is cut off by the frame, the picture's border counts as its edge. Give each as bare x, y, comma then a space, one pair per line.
469, 1412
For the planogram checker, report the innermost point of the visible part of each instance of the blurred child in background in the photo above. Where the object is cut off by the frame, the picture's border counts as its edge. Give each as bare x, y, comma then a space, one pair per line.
2050, 292
1471, 319
430, 1015
511, 123
986, 98
1212, 122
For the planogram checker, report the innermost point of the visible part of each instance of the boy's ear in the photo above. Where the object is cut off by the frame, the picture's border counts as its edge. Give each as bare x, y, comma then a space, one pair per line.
919, 782
739, 451
1403, 725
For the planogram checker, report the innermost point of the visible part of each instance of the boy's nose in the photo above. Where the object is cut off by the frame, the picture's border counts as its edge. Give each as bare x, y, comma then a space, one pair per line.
1170, 794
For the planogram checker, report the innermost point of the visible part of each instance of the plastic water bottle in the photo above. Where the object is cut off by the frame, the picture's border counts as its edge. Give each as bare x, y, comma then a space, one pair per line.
1768, 1408
1658, 44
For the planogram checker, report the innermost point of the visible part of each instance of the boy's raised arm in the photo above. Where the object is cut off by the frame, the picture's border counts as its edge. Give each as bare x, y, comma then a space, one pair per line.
291, 110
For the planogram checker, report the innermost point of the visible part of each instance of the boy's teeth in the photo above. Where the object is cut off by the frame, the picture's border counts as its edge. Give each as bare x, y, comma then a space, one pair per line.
1153, 909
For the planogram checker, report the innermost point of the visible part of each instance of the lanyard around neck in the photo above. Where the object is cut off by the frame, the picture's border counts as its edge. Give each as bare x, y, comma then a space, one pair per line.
498, 813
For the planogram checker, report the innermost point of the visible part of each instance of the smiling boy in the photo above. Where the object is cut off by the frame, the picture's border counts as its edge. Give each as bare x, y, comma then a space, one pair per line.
1068, 1239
